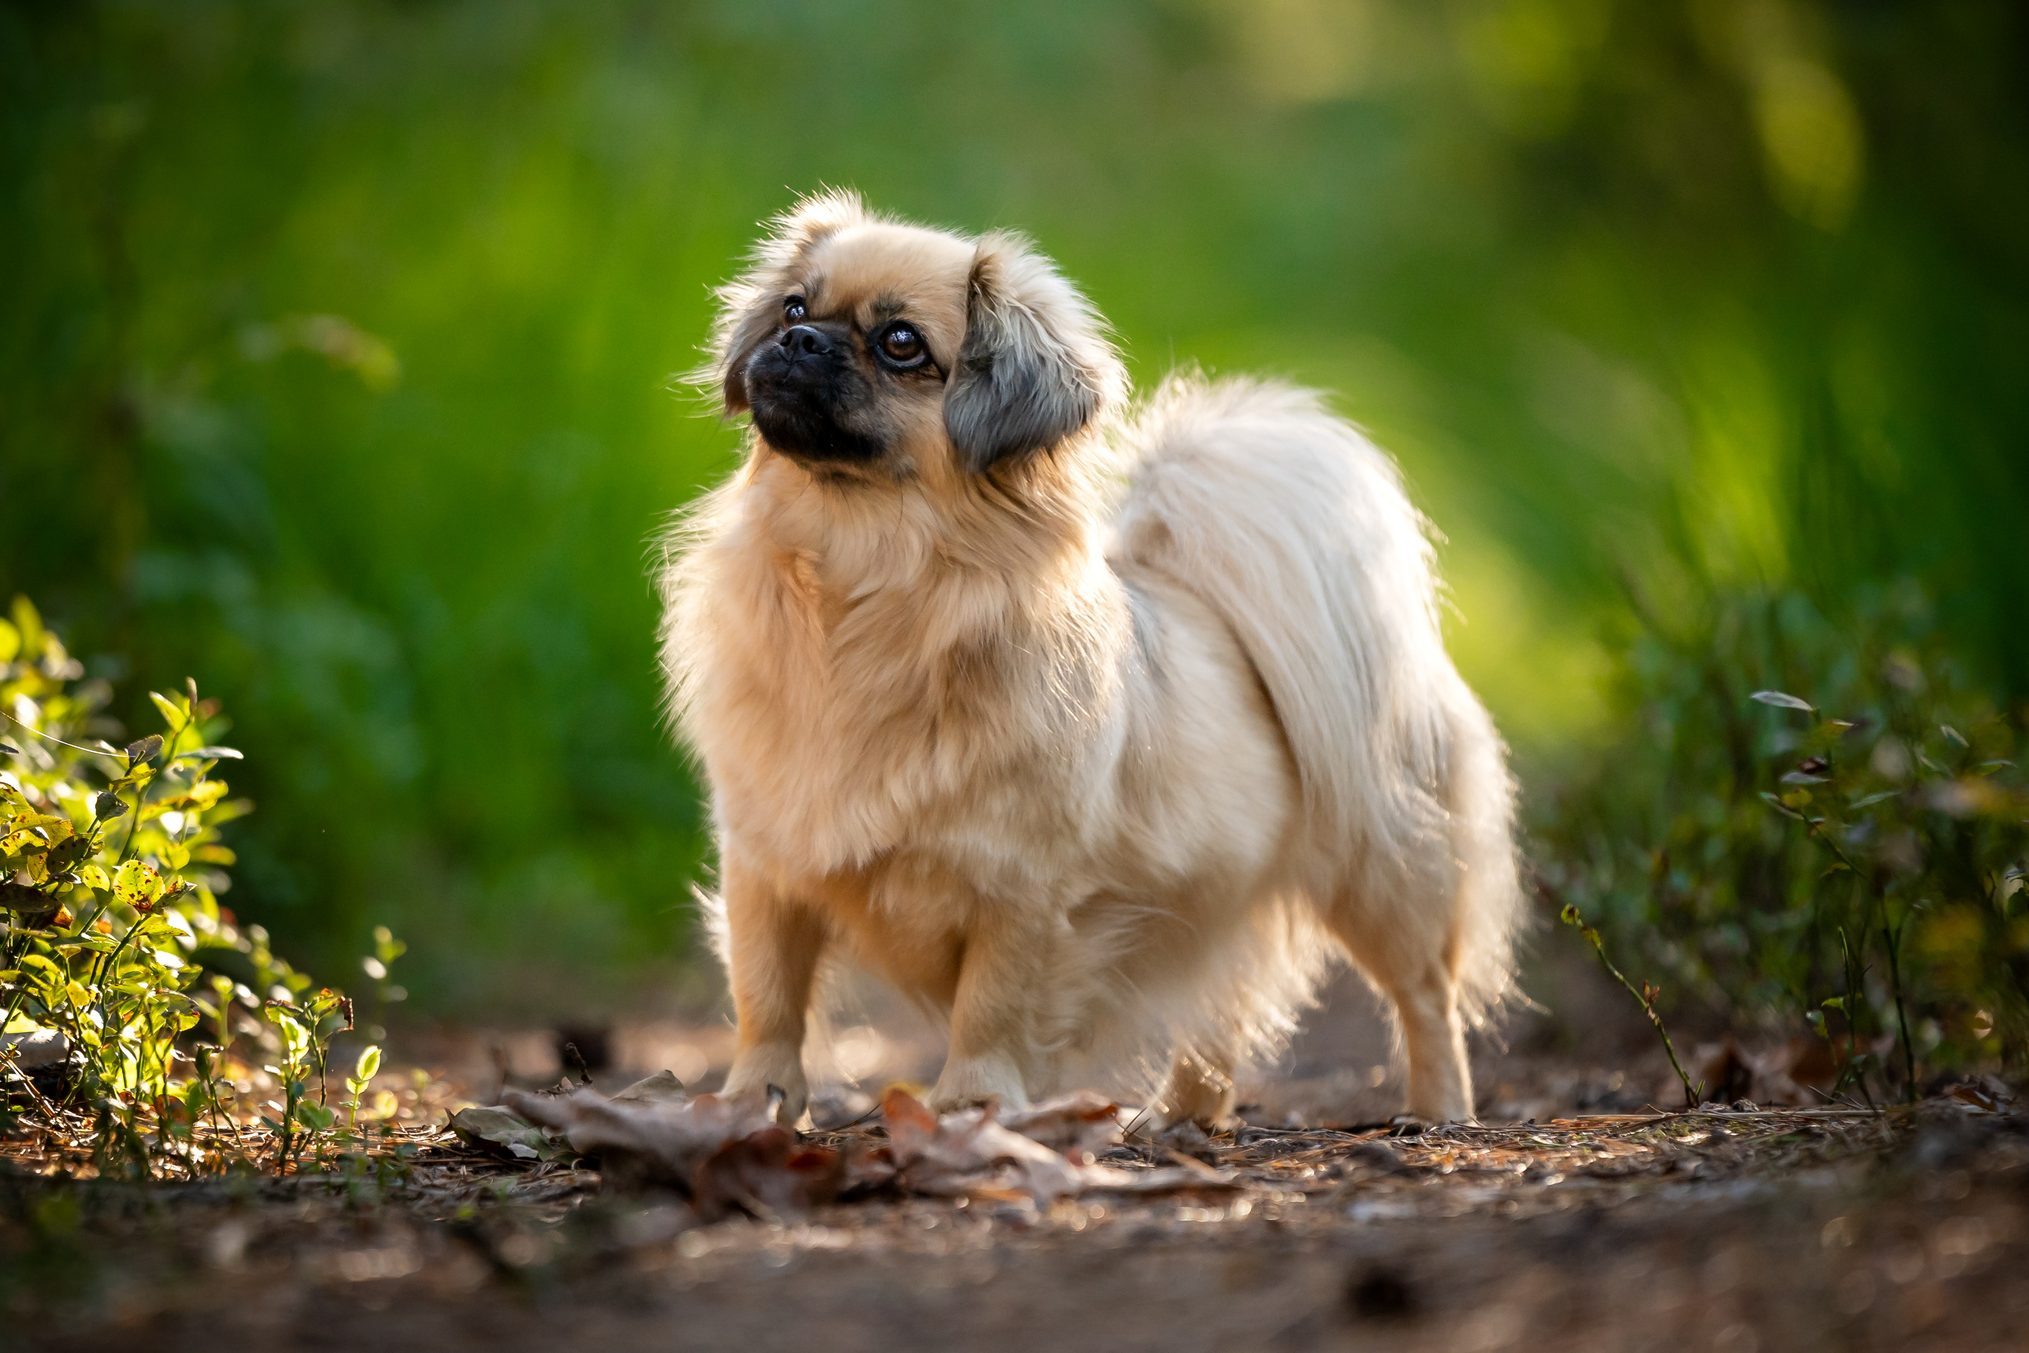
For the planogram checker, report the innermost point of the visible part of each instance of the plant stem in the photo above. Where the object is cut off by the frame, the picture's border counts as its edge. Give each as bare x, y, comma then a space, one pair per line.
1576, 921
1893, 939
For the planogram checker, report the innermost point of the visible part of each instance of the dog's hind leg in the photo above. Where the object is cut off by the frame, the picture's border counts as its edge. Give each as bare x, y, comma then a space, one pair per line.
1407, 947
1433, 1041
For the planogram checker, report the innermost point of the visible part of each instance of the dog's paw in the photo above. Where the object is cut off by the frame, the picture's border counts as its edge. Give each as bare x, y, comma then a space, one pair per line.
761, 1072
1433, 1115
973, 1081
1202, 1124
1198, 1096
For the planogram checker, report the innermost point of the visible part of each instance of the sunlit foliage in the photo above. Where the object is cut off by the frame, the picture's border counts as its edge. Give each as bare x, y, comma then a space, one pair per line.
1811, 827
136, 1012
335, 353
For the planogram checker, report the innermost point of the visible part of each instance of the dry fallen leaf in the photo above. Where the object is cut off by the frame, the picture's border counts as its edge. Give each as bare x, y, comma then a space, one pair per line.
492, 1127
727, 1153
1983, 1094
662, 1130
766, 1173
1080, 1124
970, 1153
967, 1152
661, 1088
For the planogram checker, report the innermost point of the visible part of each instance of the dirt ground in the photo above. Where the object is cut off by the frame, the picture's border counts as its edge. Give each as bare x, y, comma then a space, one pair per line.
1574, 1215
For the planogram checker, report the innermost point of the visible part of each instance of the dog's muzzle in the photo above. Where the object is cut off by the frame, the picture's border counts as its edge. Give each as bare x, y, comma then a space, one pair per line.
805, 391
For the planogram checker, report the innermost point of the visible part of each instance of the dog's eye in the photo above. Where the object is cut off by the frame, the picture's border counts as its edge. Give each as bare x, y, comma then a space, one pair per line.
794, 311
902, 345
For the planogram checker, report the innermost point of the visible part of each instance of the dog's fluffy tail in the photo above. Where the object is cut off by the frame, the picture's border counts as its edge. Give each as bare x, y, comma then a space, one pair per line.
1296, 529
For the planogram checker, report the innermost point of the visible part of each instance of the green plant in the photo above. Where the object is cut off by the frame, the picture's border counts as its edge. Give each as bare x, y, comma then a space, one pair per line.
1815, 824
139, 996
363, 1072
304, 1046
1645, 996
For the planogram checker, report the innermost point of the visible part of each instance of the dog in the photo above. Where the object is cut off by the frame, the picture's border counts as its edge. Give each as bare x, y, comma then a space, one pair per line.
1099, 729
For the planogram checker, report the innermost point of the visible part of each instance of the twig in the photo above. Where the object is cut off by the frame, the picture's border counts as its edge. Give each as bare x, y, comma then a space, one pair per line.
1573, 918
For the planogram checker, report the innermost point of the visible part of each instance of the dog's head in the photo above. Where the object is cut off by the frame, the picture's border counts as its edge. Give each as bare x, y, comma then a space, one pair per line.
871, 350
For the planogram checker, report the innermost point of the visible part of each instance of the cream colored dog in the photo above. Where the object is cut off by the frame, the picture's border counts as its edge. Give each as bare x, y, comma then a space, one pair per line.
1106, 773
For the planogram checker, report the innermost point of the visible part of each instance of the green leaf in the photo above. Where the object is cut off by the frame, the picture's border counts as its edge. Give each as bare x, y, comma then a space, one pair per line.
94, 876
27, 626
23, 840
1783, 700
136, 882
173, 714
369, 1063
145, 749
1780, 807
108, 806
65, 854
32, 904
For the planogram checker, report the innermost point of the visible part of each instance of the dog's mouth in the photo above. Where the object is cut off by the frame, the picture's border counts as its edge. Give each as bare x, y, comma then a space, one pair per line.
797, 410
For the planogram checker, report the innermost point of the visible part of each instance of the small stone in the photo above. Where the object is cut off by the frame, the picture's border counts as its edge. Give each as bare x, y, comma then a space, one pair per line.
36, 1048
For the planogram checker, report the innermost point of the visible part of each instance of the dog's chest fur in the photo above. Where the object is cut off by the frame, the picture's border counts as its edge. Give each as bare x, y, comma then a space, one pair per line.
893, 725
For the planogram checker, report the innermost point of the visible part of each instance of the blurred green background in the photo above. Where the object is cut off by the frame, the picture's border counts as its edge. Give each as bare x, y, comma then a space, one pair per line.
337, 342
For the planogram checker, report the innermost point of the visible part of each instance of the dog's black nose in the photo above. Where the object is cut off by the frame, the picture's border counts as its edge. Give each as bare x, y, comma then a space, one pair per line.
803, 340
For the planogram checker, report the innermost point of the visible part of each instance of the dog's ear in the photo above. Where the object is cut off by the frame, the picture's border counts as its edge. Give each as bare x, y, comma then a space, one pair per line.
1035, 366
750, 306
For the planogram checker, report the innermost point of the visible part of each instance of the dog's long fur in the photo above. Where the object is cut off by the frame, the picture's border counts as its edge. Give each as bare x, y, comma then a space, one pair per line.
1107, 774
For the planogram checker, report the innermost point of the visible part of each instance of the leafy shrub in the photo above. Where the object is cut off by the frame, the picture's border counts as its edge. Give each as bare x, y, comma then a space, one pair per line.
149, 1013
1813, 824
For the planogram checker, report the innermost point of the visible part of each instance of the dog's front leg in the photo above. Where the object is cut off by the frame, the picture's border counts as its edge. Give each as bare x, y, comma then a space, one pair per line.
1002, 980
773, 945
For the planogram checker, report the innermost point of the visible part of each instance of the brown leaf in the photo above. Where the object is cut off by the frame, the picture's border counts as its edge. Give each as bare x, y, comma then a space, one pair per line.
661, 1088
1982, 1093
1080, 1124
766, 1173
664, 1133
969, 1153
491, 1127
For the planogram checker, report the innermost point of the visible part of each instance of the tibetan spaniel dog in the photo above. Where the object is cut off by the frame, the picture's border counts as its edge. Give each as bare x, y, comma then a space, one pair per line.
1100, 728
